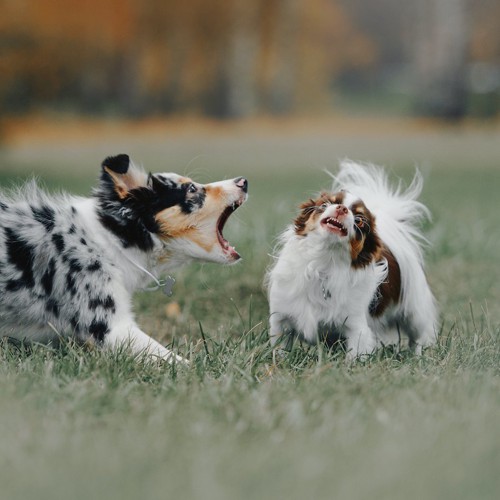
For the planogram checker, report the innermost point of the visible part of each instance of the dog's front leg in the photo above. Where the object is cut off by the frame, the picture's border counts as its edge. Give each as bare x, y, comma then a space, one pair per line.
360, 339
131, 336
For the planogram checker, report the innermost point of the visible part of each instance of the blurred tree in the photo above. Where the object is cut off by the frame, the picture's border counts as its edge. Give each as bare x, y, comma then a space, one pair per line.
238, 72
52, 51
485, 36
441, 49
284, 70
228, 58
327, 24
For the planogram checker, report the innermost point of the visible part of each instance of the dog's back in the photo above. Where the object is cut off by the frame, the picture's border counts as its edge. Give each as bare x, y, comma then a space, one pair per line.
45, 258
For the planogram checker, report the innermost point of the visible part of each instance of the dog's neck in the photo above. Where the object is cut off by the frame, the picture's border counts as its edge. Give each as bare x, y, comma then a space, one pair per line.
140, 268
157, 283
321, 256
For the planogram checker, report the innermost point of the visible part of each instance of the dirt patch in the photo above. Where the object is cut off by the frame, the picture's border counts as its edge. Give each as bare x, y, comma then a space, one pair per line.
187, 145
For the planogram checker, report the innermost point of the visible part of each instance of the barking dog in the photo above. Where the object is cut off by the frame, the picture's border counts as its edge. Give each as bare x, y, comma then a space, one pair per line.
351, 267
70, 265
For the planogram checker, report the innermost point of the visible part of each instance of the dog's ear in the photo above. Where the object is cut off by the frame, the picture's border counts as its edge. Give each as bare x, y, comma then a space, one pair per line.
307, 204
306, 209
123, 174
118, 164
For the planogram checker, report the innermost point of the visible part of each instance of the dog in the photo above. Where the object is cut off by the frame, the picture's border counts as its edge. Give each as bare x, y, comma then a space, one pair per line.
69, 265
351, 267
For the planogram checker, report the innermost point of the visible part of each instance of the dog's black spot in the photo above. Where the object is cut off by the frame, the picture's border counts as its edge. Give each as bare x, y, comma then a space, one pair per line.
75, 266
48, 277
71, 284
192, 201
83, 241
3, 206
73, 210
130, 233
58, 241
93, 304
74, 322
109, 303
14, 285
164, 193
72, 229
45, 216
52, 307
95, 266
98, 329
21, 254
106, 303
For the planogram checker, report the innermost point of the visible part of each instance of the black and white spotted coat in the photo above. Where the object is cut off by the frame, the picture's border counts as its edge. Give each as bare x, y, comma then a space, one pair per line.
69, 265
58, 271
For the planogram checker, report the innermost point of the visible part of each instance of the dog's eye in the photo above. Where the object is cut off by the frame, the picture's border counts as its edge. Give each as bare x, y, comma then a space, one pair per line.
324, 206
359, 221
192, 188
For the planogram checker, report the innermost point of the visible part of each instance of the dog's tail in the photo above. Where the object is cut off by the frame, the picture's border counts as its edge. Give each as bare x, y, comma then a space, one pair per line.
398, 215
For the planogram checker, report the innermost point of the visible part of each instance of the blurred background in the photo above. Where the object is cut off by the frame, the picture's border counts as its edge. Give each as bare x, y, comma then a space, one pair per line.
275, 90
241, 58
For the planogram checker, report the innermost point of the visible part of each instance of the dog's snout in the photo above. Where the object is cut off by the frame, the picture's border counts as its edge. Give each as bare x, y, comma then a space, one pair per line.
342, 210
242, 183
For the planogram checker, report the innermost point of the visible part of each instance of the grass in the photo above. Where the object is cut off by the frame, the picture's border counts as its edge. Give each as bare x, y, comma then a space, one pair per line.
79, 423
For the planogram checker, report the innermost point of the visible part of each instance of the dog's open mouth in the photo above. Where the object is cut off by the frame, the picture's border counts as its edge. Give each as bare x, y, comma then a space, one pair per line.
226, 247
334, 225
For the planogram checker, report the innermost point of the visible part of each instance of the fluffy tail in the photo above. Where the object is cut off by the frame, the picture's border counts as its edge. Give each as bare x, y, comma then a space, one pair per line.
398, 217
372, 185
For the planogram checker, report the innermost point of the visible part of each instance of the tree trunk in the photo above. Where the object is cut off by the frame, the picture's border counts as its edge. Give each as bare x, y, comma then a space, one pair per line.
239, 83
440, 57
282, 90
127, 83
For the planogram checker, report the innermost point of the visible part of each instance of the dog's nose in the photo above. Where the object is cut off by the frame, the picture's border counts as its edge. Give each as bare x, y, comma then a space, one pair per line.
342, 210
242, 183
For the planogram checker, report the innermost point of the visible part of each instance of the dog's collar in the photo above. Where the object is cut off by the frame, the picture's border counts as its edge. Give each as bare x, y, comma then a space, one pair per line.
326, 293
166, 285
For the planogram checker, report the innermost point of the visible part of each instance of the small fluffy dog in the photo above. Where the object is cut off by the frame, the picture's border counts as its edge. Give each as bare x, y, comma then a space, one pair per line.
69, 266
351, 267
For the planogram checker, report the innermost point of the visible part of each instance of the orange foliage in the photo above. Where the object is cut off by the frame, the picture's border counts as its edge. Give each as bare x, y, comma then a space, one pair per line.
104, 24
150, 51
485, 35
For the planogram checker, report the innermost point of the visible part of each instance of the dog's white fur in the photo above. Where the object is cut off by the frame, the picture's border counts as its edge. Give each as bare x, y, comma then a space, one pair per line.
312, 283
63, 272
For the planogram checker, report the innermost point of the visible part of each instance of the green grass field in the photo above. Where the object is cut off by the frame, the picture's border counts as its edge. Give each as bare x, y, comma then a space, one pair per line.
81, 424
